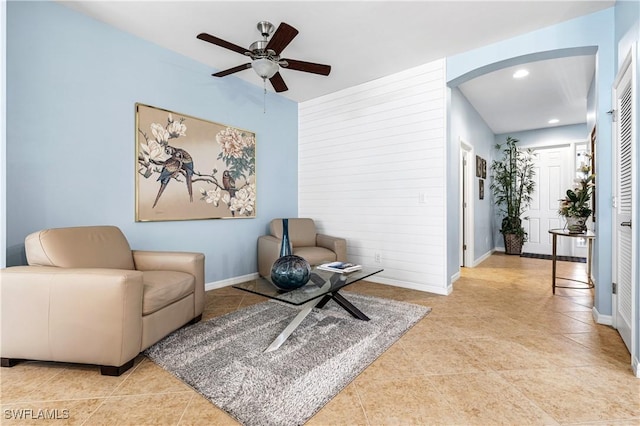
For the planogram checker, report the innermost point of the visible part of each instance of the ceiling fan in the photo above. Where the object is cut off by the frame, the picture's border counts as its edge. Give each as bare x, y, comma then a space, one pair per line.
265, 55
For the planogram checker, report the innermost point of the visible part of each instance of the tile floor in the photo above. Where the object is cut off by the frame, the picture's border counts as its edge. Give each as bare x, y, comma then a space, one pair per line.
501, 349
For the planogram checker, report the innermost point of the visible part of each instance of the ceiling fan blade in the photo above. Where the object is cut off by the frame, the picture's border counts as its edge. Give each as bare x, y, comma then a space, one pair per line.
232, 70
307, 67
278, 83
222, 43
282, 37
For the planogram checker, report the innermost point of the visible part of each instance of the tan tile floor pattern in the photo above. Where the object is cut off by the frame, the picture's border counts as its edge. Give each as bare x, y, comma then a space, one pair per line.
501, 349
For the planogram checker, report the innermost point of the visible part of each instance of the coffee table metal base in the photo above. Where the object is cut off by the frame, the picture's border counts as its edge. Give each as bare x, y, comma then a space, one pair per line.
306, 309
346, 305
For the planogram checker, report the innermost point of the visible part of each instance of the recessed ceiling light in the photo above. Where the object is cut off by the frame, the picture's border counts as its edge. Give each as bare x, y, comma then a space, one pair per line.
554, 121
520, 73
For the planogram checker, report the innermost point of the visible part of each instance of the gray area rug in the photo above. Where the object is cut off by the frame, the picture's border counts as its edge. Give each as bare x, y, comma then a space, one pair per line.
223, 358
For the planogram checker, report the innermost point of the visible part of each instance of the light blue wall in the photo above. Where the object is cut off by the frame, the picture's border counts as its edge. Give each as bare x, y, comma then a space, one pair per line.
594, 32
467, 125
72, 83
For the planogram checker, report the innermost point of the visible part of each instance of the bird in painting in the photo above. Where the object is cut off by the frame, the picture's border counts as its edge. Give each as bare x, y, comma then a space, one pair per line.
186, 168
170, 170
229, 183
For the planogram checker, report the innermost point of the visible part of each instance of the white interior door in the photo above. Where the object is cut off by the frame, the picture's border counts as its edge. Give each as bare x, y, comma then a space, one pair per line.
466, 205
463, 209
626, 187
552, 166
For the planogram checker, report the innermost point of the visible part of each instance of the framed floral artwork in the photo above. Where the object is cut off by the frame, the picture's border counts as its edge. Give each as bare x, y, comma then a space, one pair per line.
188, 168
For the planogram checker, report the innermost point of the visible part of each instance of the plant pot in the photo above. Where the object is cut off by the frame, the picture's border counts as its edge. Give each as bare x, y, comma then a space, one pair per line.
577, 225
513, 244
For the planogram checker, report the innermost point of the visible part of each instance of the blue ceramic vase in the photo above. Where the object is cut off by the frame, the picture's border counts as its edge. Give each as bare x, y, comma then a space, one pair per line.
285, 247
289, 271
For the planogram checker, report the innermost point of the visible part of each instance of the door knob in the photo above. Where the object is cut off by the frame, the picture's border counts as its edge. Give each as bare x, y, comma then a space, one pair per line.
626, 224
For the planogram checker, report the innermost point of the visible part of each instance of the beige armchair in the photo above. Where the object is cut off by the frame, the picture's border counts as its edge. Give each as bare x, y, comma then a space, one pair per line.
86, 297
305, 242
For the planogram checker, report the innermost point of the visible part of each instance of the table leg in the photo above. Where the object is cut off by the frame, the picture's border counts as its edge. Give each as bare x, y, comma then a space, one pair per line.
324, 301
348, 306
306, 309
344, 303
589, 256
553, 262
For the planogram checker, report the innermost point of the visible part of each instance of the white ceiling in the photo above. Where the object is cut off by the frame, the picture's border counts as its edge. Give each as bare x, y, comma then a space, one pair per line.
366, 40
554, 88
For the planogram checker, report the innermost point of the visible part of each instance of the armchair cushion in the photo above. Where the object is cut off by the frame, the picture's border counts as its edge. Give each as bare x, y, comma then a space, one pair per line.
162, 288
315, 255
187, 262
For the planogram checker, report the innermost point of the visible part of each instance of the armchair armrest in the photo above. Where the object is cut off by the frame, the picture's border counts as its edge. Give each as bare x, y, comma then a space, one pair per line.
335, 244
268, 252
190, 263
72, 315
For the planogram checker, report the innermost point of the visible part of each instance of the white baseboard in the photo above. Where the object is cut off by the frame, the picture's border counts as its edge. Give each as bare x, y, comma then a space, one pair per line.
455, 277
601, 319
411, 285
635, 365
483, 257
414, 286
230, 281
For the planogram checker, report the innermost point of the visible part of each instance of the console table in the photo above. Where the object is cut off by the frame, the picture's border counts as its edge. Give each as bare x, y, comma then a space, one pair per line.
589, 236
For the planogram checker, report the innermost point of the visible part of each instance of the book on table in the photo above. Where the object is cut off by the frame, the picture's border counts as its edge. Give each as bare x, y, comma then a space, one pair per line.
340, 267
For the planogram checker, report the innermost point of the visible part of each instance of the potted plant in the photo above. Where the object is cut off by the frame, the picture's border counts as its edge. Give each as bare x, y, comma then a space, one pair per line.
575, 206
512, 185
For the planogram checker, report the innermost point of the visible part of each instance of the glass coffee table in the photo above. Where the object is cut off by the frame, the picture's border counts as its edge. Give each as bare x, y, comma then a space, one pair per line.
321, 288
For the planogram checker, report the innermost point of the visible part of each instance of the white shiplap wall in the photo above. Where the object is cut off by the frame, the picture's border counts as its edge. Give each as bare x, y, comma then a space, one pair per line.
372, 169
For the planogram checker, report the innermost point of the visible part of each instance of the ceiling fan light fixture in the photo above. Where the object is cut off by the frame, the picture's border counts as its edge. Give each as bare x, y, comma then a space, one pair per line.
265, 68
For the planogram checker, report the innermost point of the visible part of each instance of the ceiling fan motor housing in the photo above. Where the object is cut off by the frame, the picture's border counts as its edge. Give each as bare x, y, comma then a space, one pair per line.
259, 47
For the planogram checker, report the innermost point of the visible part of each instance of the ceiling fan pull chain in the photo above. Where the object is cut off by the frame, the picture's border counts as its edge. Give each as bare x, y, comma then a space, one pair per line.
264, 96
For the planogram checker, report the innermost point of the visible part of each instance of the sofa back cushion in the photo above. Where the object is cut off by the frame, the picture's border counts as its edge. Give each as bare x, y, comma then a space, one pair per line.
302, 231
79, 247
